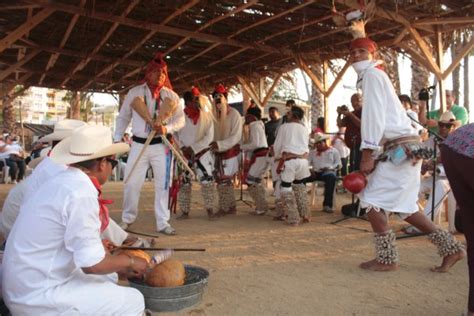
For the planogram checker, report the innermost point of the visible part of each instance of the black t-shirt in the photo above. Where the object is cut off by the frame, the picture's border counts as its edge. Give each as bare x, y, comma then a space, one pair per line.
271, 129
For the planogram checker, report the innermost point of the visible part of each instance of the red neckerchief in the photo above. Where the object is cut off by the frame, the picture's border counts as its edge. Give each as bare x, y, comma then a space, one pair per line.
155, 89
319, 152
103, 210
193, 113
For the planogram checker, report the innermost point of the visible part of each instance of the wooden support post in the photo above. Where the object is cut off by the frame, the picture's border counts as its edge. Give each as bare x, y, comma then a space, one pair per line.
426, 52
249, 90
325, 96
304, 66
439, 60
466, 49
270, 91
338, 78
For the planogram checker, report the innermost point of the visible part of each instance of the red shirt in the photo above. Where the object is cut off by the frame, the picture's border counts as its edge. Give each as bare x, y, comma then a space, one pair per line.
352, 130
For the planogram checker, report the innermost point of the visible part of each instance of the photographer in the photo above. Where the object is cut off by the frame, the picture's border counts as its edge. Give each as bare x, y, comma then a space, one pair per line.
351, 120
431, 119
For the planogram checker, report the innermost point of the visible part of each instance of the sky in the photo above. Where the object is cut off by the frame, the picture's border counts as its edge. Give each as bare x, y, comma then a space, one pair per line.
346, 87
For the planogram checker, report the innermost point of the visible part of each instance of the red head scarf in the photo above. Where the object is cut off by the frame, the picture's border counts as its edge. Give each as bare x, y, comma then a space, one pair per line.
195, 91
157, 64
364, 42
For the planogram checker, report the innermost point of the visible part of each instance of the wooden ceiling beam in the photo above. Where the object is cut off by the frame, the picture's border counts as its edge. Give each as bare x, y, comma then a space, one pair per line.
445, 20
7, 90
109, 68
249, 27
338, 78
304, 66
269, 93
83, 63
426, 51
152, 26
5, 73
54, 57
212, 22
30, 24
466, 49
18, 7
250, 90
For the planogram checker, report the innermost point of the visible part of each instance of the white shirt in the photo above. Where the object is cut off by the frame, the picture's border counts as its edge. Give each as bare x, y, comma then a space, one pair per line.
341, 147
11, 207
328, 159
139, 127
44, 171
257, 137
232, 134
292, 138
383, 116
414, 117
56, 234
188, 135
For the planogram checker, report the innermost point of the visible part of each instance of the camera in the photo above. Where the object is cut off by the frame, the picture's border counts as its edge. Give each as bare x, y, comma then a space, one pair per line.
342, 108
425, 93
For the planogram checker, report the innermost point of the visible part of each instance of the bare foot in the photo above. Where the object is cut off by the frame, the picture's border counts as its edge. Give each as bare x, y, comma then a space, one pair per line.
373, 265
449, 261
306, 219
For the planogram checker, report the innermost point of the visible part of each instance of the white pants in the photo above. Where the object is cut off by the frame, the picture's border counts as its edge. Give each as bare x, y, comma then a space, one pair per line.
442, 188
114, 233
231, 166
295, 169
258, 169
83, 295
157, 157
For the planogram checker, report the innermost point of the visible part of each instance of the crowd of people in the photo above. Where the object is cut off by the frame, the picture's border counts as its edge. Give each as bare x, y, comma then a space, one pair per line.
56, 221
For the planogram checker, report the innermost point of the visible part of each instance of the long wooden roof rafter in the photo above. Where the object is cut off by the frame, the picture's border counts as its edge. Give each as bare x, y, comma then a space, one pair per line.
103, 45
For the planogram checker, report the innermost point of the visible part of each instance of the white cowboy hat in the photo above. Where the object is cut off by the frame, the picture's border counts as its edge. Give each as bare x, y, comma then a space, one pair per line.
447, 117
63, 129
87, 143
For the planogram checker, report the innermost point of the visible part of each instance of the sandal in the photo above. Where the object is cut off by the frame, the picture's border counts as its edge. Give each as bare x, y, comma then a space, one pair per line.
170, 231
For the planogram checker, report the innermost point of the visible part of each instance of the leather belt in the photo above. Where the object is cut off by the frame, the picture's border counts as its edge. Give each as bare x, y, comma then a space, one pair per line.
140, 140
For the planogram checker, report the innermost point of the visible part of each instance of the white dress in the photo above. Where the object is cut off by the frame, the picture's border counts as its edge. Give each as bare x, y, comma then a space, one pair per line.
390, 187
57, 233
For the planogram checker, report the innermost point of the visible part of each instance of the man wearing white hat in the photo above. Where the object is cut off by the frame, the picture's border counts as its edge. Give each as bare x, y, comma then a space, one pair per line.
442, 191
55, 262
325, 161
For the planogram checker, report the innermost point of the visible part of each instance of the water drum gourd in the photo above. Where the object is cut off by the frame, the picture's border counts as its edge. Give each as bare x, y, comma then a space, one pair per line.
169, 273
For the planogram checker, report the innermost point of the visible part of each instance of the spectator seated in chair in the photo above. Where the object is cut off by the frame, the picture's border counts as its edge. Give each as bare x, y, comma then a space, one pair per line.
325, 161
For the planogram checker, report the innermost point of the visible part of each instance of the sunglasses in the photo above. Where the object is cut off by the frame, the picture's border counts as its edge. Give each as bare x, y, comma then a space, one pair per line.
113, 162
445, 125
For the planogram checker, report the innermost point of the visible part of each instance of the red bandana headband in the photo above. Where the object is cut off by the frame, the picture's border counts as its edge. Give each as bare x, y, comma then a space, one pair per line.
158, 64
365, 43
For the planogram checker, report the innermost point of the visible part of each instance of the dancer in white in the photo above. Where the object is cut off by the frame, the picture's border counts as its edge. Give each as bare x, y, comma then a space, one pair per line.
394, 181
291, 152
255, 144
227, 135
195, 138
153, 92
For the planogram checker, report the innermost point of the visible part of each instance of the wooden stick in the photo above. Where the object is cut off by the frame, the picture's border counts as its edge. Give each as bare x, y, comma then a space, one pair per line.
157, 249
148, 140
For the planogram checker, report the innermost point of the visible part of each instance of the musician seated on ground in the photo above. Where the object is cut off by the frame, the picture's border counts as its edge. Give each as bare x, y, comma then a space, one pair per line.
442, 188
325, 161
55, 262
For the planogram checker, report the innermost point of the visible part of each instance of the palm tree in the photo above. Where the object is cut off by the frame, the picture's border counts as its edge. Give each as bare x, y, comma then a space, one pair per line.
455, 47
419, 78
390, 57
466, 39
9, 111
317, 102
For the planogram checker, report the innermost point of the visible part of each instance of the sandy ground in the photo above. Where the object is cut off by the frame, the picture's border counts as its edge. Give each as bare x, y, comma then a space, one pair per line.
262, 267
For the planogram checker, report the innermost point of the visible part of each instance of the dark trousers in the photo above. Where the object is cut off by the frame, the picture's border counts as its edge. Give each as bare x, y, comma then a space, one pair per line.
17, 168
355, 157
462, 184
343, 171
329, 179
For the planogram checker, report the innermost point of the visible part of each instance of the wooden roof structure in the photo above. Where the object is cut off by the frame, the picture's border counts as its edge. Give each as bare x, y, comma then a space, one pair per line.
103, 45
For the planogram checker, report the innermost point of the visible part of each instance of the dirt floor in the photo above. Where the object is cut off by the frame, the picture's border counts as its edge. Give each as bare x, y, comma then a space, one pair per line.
262, 267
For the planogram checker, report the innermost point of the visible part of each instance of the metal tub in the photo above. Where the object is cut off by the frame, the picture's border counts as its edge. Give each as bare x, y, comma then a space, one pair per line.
160, 299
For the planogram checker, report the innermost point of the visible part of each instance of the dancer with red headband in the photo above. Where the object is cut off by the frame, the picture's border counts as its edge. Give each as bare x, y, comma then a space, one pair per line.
394, 181
155, 88
227, 135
